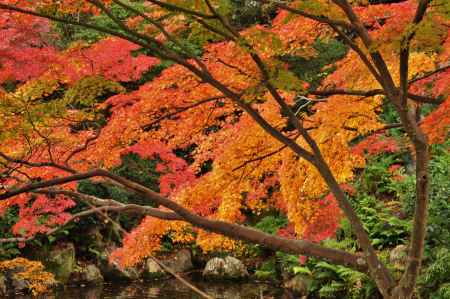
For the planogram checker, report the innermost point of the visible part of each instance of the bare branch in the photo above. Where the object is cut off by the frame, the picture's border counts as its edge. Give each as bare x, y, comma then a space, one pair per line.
373, 92
83, 147
71, 22
161, 28
181, 110
360, 53
36, 164
260, 158
181, 279
384, 76
172, 7
320, 19
405, 47
429, 74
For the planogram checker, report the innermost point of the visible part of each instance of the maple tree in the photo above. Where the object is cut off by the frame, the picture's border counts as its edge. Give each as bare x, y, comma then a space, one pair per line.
273, 139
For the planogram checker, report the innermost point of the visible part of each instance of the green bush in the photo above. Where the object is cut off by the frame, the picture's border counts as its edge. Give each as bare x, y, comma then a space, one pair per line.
271, 224
376, 178
438, 232
384, 229
268, 270
334, 281
133, 168
7, 220
434, 283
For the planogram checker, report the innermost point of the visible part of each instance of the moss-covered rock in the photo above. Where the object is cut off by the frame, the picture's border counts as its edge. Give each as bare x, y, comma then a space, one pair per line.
61, 261
179, 262
225, 268
87, 274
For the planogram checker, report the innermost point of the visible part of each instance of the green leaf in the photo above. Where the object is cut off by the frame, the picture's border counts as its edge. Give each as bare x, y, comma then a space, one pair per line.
301, 270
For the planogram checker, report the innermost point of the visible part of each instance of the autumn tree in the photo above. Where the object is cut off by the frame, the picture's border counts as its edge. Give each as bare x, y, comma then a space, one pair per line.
274, 134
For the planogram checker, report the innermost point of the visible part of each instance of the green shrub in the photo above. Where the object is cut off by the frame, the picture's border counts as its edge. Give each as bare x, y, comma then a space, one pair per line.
334, 281
438, 229
133, 168
287, 262
267, 271
435, 281
7, 220
271, 224
376, 178
384, 228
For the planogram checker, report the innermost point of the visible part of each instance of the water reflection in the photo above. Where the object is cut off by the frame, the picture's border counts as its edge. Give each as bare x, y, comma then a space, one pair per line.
168, 289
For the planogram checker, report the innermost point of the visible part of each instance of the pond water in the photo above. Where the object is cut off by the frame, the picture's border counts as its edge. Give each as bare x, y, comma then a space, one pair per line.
168, 289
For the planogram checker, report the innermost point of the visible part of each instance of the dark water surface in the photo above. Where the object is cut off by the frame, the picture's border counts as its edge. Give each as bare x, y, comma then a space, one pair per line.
168, 289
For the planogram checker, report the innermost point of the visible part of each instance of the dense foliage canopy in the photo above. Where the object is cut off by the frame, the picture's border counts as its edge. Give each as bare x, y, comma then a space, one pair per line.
229, 113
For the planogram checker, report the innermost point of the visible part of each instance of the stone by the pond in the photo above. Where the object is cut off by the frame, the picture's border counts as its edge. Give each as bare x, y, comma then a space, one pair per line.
19, 285
179, 262
152, 267
3, 286
398, 255
61, 261
112, 271
12, 283
299, 284
88, 274
228, 268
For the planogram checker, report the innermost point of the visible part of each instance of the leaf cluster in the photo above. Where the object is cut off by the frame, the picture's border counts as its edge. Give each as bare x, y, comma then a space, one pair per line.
438, 229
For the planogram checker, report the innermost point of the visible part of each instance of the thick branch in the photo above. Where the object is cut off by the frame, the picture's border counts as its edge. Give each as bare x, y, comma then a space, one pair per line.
384, 76
415, 254
113, 205
225, 228
405, 47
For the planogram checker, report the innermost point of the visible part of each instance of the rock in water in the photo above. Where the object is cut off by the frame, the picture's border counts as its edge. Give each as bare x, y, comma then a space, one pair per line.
179, 262
152, 269
89, 274
112, 271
